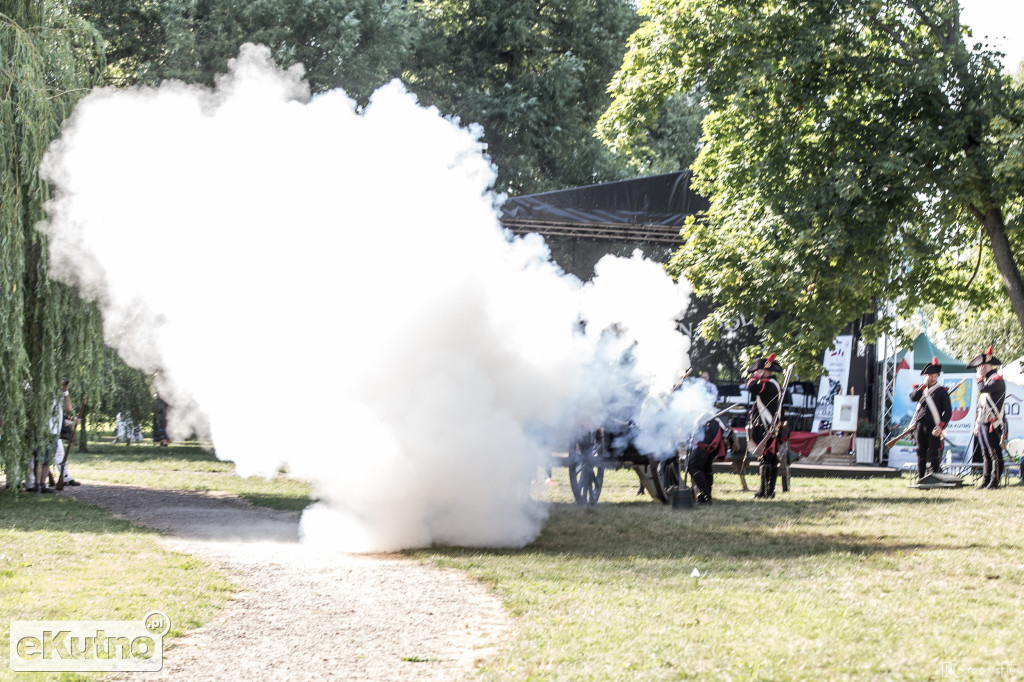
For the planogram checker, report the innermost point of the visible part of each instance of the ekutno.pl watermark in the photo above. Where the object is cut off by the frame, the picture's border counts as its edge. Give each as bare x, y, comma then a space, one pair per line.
962, 669
89, 645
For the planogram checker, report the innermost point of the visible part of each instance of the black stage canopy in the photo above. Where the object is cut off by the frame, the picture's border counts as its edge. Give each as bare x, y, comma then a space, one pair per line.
649, 209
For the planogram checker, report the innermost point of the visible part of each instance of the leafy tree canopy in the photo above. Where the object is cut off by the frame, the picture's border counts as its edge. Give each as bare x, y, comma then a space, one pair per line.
357, 45
533, 74
851, 151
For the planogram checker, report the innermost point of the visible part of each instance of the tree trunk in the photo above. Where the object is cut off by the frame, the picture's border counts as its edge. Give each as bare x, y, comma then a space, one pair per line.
1007, 266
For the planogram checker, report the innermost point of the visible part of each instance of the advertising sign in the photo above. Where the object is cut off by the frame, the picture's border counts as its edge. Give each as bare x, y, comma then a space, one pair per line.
834, 382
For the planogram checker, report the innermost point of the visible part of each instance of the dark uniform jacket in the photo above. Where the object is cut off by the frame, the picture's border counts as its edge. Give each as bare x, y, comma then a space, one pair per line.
940, 396
990, 408
769, 392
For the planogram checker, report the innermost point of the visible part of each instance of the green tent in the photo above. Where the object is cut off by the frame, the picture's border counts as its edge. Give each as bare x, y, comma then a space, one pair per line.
925, 350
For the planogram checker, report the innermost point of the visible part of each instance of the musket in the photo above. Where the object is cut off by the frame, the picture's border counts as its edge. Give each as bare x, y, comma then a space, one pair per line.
913, 422
773, 430
725, 411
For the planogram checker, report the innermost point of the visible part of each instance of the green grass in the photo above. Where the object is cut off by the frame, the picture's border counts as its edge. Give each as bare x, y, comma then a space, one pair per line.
838, 579
61, 560
182, 466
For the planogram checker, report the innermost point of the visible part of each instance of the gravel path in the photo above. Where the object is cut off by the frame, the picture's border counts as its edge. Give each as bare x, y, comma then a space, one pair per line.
306, 614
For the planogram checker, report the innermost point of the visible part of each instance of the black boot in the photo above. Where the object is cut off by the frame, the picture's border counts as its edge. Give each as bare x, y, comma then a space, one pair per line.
701, 486
762, 488
997, 473
986, 474
773, 476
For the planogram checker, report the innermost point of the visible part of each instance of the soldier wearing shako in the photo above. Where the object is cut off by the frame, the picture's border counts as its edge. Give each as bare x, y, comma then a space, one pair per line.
934, 410
766, 397
988, 424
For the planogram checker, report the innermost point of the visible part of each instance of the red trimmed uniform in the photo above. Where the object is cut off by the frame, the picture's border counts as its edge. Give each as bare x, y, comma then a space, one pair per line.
758, 425
708, 445
988, 428
929, 447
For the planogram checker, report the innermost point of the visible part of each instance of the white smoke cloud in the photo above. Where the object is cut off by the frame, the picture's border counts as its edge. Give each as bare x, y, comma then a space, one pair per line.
334, 291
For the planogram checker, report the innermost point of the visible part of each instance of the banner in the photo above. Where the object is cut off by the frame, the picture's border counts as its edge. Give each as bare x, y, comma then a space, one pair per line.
833, 382
1012, 410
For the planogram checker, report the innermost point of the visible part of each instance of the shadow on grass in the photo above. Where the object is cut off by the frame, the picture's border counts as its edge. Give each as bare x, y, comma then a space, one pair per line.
279, 501
189, 514
30, 512
143, 453
737, 529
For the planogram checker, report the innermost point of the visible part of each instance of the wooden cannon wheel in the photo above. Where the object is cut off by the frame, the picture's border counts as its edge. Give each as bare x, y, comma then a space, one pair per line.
586, 471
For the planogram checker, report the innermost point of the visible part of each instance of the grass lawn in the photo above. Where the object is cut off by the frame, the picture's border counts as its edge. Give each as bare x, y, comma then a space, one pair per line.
182, 466
60, 560
838, 579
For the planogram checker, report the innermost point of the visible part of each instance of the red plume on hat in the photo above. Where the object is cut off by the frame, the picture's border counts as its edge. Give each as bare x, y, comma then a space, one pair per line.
985, 358
771, 358
767, 363
932, 367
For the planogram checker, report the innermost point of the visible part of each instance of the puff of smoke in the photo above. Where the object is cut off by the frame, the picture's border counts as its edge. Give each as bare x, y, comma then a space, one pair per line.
335, 292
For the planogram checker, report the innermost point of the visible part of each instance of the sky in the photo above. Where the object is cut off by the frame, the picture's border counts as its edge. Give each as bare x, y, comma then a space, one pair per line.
1002, 21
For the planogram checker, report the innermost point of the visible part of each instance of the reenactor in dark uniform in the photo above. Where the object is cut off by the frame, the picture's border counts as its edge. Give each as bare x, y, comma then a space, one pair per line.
988, 425
707, 445
934, 410
765, 396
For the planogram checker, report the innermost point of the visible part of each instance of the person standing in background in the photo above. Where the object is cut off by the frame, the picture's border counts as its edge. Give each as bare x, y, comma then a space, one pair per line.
765, 410
989, 426
63, 404
934, 410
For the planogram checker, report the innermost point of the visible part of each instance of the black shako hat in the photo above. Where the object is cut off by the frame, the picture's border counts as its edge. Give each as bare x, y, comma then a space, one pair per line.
767, 363
932, 367
985, 358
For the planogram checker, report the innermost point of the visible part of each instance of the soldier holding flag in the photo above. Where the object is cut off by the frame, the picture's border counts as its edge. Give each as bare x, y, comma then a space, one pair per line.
765, 412
934, 410
988, 425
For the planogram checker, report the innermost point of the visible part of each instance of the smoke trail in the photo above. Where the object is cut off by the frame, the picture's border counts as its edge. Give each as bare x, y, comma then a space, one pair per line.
334, 291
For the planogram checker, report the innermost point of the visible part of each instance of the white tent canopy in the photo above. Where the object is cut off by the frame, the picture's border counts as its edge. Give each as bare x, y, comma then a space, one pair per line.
1013, 372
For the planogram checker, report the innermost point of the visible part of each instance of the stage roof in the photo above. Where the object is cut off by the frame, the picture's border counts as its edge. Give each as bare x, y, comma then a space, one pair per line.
650, 209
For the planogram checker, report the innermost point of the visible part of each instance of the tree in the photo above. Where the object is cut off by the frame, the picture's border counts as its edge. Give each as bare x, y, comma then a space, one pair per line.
533, 74
135, 35
982, 315
50, 59
851, 151
674, 138
357, 45
124, 390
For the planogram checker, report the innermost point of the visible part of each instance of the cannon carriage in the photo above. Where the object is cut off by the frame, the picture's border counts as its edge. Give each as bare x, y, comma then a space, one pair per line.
603, 449
595, 451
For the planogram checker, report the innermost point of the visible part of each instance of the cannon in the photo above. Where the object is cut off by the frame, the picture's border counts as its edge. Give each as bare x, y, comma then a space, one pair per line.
606, 448
602, 449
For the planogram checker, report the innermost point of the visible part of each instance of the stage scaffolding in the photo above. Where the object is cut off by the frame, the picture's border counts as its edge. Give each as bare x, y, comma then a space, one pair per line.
887, 385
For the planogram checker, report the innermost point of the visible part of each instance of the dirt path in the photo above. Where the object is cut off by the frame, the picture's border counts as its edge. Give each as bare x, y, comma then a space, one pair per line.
305, 614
